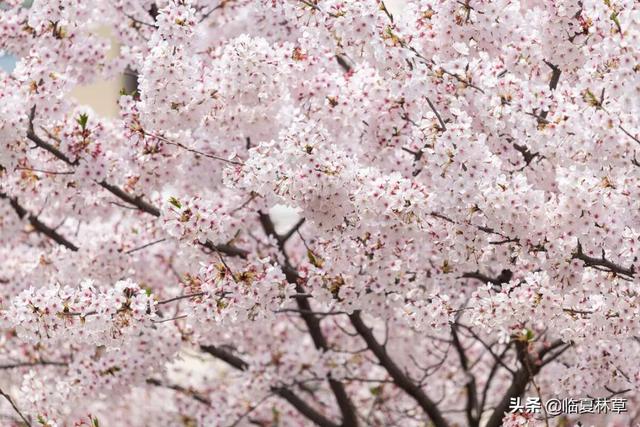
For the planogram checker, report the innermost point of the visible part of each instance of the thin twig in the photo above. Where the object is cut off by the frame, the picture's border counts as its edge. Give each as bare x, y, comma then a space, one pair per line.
15, 407
130, 251
38, 225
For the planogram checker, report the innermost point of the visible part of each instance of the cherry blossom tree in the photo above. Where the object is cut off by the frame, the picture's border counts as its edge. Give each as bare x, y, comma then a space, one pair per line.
466, 191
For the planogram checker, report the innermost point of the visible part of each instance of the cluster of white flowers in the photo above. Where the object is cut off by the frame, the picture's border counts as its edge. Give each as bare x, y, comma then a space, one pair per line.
14, 125
85, 314
465, 177
198, 221
223, 295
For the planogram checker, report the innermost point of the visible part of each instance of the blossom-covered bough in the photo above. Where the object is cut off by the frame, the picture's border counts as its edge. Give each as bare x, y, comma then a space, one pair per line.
466, 186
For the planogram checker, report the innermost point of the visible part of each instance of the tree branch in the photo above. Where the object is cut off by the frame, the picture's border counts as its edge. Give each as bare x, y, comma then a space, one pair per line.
504, 277
190, 393
226, 249
132, 200
136, 201
553, 83
472, 407
31, 135
116, 191
304, 408
285, 237
492, 373
349, 416
530, 368
443, 126
225, 356
32, 364
555, 75
288, 395
399, 377
603, 262
38, 225
15, 407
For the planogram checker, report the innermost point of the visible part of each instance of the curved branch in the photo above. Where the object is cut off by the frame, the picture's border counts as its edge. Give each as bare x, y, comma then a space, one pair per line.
303, 407
399, 377
347, 409
472, 407
190, 393
136, 201
38, 225
225, 356
603, 262
530, 368
15, 407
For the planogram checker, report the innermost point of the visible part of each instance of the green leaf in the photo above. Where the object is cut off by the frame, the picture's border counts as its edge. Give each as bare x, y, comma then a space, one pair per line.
590, 98
276, 415
529, 335
375, 391
82, 120
315, 260
614, 18
175, 202
123, 92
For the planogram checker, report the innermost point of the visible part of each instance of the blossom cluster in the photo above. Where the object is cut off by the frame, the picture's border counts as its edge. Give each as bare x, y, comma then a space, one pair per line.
325, 212
80, 315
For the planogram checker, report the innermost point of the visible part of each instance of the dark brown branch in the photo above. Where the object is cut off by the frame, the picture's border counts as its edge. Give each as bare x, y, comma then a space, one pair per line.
48, 172
516, 389
603, 262
146, 245
32, 364
38, 225
343, 63
181, 297
136, 201
531, 366
226, 249
15, 407
347, 409
492, 373
458, 78
553, 83
555, 75
443, 126
191, 150
399, 377
304, 408
213, 9
626, 132
285, 237
132, 200
46, 146
269, 228
226, 356
249, 411
140, 22
190, 393
497, 358
559, 344
288, 395
315, 313
504, 277
472, 409
615, 393
526, 153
